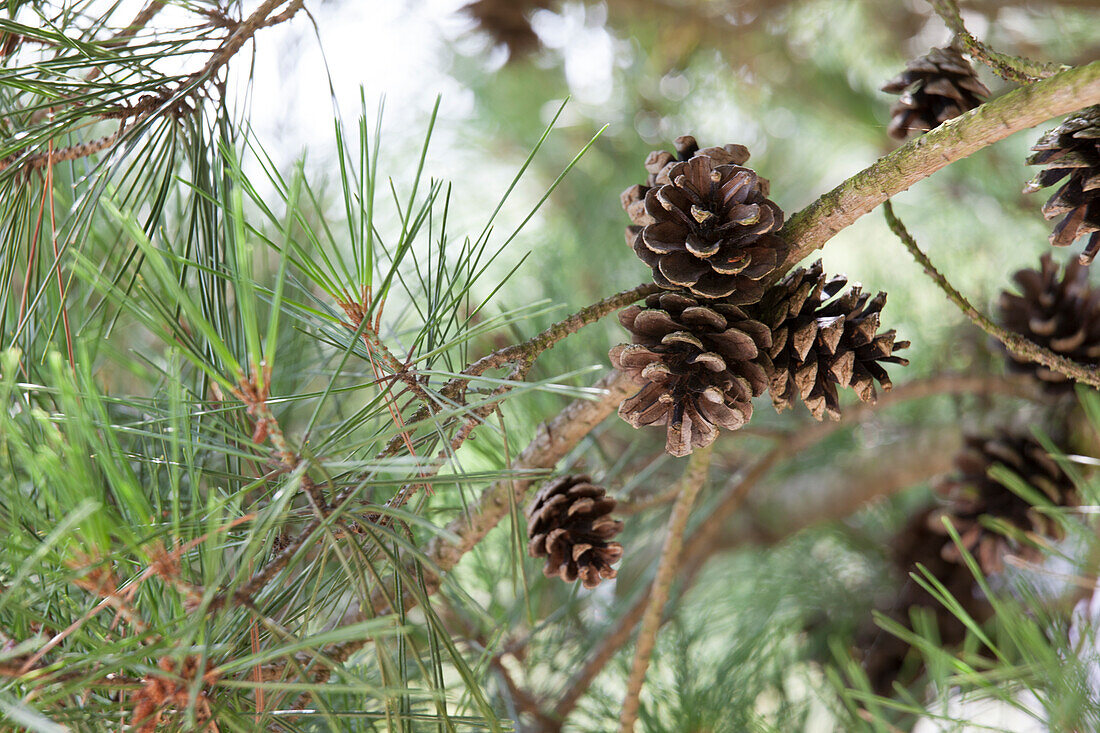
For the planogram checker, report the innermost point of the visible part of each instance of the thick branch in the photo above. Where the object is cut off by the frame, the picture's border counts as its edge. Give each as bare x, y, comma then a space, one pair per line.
1017, 110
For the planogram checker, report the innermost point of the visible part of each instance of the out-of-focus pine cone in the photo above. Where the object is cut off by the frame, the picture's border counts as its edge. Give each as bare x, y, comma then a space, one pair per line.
822, 341
569, 523
1061, 314
695, 360
934, 88
507, 22
704, 223
1072, 149
884, 655
972, 493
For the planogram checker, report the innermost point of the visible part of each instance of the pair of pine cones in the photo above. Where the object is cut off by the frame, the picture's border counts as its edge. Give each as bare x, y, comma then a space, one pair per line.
720, 335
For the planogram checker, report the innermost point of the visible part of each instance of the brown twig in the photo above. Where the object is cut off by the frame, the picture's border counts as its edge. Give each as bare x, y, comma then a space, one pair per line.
1014, 342
523, 700
61, 155
694, 477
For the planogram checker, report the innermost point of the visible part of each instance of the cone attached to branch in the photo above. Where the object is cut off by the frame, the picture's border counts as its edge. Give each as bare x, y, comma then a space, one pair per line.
1062, 314
696, 362
1072, 149
704, 223
934, 88
569, 524
972, 494
823, 339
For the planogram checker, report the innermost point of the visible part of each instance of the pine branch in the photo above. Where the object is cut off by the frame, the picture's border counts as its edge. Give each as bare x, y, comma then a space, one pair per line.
1028, 106
172, 101
1014, 342
807, 230
555, 438
694, 477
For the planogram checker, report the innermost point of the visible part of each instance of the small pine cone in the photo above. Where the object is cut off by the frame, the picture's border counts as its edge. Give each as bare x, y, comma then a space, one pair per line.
704, 223
821, 341
569, 524
1062, 315
1072, 149
695, 361
972, 493
934, 88
507, 23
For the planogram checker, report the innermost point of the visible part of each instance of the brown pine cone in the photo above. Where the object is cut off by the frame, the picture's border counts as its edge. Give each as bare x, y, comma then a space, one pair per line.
695, 361
569, 523
659, 162
705, 223
934, 88
507, 23
972, 493
884, 655
1072, 149
822, 341
1062, 315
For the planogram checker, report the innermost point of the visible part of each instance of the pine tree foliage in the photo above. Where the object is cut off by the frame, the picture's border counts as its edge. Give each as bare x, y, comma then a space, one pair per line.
267, 429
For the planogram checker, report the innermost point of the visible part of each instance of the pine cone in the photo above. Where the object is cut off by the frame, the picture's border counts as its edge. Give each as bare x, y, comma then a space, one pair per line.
507, 23
695, 361
1072, 149
972, 493
884, 655
659, 162
821, 342
704, 223
1062, 315
933, 88
568, 523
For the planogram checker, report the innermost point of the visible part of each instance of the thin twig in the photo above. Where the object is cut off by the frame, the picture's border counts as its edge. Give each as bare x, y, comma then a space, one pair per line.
61, 155
1010, 68
525, 352
523, 700
1014, 342
694, 477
